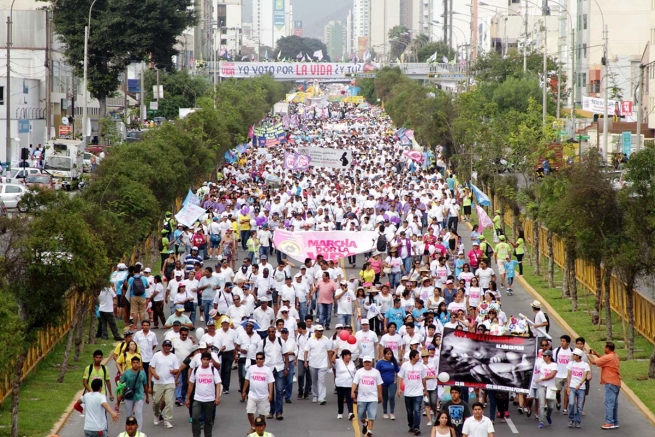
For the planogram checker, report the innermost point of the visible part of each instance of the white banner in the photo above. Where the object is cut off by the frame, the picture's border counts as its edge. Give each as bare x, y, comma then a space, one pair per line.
189, 214
295, 70
614, 107
332, 245
324, 157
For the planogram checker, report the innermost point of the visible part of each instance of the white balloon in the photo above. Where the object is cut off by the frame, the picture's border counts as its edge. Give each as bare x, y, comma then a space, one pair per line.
199, 333
444, 377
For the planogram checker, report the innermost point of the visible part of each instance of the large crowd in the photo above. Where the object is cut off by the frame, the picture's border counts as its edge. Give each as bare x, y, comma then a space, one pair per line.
234, 313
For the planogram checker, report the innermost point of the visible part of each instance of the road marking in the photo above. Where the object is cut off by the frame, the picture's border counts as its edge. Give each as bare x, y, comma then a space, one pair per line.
356, 422
512, 426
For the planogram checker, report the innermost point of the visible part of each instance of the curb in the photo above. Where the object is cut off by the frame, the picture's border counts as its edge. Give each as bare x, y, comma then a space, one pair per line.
632, 397
59, 425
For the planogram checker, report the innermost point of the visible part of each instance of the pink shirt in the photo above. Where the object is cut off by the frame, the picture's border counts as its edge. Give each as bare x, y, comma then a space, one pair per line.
326, 291
376, 265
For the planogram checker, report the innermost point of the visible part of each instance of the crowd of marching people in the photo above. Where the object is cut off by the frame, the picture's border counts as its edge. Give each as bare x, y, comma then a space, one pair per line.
245, 317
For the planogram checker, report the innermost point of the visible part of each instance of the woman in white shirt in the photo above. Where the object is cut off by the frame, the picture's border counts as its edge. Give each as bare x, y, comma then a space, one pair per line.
344, 373
458, 302
395, 263
474, 297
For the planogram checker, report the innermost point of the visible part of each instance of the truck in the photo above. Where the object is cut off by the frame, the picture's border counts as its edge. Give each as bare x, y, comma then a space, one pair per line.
64, 160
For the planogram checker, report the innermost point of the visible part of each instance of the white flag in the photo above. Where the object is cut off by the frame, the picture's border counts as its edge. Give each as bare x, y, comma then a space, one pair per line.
318, 54
367, 56
432, 58
444, 59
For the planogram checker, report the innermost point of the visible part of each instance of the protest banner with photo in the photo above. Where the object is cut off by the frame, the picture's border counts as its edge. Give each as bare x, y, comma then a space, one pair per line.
325, 157
486, 361
332, 245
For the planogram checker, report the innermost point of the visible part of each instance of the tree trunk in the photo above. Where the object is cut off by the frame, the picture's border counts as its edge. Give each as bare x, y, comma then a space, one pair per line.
551, 260
15, 392
565, 277
631, 317
537, 261
79, 332
607, 280
595, 315
69, 344
573, 282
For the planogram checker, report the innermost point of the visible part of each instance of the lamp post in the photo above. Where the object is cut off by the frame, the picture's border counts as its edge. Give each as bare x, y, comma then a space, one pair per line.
87, 32
525, 23
8, 93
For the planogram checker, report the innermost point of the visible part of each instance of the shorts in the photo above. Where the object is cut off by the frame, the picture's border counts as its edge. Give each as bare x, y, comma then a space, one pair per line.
534, 393
467, 209
560, 383
138, 304
501, 268
122, 302
258, 407
214, 244
367, 410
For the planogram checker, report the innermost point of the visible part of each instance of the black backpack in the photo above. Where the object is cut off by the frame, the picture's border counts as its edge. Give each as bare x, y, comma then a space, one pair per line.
488, 250
381, 245
104, 375
548, 325
138, 288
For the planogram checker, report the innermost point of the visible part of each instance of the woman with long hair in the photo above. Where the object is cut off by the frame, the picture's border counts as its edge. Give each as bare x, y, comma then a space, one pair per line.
443, 426
442, 313
344, 373
388, 368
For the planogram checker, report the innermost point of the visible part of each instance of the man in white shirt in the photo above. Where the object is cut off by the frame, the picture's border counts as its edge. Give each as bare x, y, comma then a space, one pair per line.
162, 372
412, 377
183, 347
289, 350
207, 383
547, 371
278, 362
575, 383
106, 309
238, 311
367, 339
562, 356
226, 344
264, 316
147, 342
258, 386
367, 385
317, 358
247, 343
265, 238
478, 425
345, 299
540, 322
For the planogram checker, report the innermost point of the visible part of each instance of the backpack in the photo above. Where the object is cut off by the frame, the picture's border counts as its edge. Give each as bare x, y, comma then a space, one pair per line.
488, 250
104, 374
381, 244
279, 340
548, 325
138, 288
167, 225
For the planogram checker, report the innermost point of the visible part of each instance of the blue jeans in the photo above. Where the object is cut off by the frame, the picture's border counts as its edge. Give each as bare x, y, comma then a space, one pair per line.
612, 404
394, 279
345, 319
407, 263
288, 381
302, 310
413, 408
324, 314
277, 404
207, 306
576, 399
94, 433
264, 251
180, 392
192, 315
244, 239
389, 397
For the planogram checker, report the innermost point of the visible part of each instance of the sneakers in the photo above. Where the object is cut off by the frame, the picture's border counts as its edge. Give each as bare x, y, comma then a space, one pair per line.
323, 402
364, 428
226, 392
608, 426
156, 422
299, 397
570, 425
541, 425
578, 425
429, 423
549, 420
565, 412
520, 410
392, 417
385, 416
507, 414
351, 416
529, 412
202, 319
559, 407
339, 416
167, 424
314, 400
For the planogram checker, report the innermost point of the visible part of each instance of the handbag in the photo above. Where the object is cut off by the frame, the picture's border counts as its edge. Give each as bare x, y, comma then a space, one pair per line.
551, 393
188, 304
129, 392
387, 270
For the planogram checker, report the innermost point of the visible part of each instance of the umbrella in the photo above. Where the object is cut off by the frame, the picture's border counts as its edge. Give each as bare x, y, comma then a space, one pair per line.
256, 327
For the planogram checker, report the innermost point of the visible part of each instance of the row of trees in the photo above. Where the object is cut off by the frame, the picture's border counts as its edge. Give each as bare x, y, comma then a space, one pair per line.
500, 119
69, 245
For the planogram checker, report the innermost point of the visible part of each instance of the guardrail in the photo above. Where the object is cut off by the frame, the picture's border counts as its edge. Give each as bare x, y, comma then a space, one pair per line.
644, 307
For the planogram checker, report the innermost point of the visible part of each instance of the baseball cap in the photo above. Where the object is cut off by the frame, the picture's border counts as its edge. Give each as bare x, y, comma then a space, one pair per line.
167, 343
147, 270
179, 308
318, 327
177, 323
202, 345
131, 420
548, 353
364, 322
284, 309
367, 358
260, 421
536, 304
211, 322
578, 352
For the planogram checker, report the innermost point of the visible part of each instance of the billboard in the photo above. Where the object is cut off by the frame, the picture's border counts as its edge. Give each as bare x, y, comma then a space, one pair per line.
486, 361
614, 107
294, 70
278, 14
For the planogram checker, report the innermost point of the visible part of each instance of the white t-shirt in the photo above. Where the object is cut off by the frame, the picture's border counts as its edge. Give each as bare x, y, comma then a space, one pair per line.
393, 342
367, 340
159, 288
545, 370
475, 296
412, 375
95, 416
475, 428
106, 300
345, 303
484, 275
259, 378
146, 344
317, 351
577, 370
344, 374
163, 364
539, 318
431, 370
562, 357
367, 384
205, 381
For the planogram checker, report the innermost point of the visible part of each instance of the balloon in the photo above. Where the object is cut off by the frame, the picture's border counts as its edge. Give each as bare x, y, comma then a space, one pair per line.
253, 223
395, 220
260, 220
402, 385
199, 333
344, 335
351, 339
444, 377
386, 216
245, 210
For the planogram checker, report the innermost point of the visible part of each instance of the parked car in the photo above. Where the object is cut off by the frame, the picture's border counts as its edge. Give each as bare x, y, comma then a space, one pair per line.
134, 136
41, 180
86, 167
19, 174
11, 193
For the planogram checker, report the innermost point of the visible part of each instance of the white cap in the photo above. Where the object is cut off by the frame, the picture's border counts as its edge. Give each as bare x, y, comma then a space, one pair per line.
367, 358
578, 352
202, 345
364, 322
121, 266
284, 308
318, 327
147, 270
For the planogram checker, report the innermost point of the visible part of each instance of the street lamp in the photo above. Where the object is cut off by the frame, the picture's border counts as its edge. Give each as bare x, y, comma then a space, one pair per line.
8, 94
87, 32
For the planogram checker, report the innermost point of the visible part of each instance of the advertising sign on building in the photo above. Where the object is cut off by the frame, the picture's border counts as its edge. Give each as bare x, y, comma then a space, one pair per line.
614, 107
278, 14
66, 132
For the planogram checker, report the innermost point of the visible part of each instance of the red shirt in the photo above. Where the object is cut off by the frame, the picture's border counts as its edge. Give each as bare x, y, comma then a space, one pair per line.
474, 256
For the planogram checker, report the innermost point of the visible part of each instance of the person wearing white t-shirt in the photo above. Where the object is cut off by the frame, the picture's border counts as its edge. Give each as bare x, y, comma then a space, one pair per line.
391, 340
318, 351
485, 274
345, 299
207, 383
163, 370
478, 425
258, 386
367, 392
540, 321
547, 370
412, 376
575, 383
562, 357
367, 339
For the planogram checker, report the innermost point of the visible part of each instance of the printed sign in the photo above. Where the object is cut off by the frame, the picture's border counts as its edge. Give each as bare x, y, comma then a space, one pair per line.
488, 361
332, 245
268, 136
626, 141
325, 157
614, 107
66, 131
278, 14
294, 70
189, 214
296, 161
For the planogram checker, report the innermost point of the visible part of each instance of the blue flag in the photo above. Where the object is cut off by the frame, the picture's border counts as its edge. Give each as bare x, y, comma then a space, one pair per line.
191, 199
480, 197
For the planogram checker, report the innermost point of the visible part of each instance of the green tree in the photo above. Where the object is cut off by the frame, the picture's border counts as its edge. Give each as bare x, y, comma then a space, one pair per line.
440, 48
399, 39
122, 31
181, 90
289, 47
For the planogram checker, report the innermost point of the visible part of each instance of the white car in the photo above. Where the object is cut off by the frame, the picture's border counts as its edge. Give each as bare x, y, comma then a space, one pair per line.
11, 194
20, 174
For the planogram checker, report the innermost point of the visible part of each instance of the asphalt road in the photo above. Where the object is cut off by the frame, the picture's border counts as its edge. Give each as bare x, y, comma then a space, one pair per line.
304, 418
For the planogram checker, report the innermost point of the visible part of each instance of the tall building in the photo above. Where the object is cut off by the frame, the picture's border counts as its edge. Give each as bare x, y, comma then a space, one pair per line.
385, 15
361, 33
334, 37
410, 15
348, 48
271, 20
